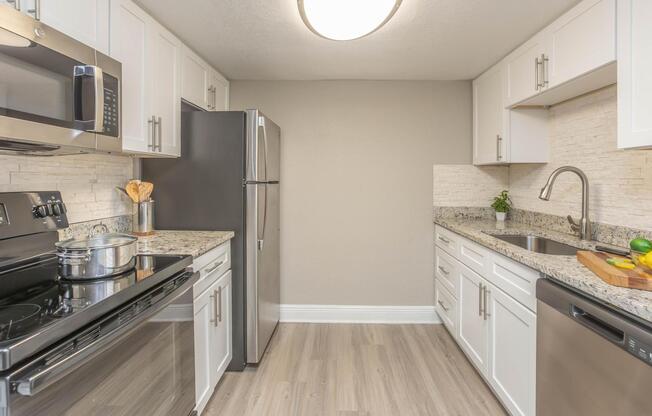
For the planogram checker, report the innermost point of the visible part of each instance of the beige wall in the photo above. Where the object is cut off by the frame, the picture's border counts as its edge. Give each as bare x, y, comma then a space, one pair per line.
87, 182
356, 172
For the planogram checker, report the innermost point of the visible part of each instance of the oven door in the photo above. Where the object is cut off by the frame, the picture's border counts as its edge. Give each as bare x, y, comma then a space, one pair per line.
142, 365
53, 89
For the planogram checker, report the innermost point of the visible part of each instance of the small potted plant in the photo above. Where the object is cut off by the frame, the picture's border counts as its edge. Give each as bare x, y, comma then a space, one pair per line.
502, 205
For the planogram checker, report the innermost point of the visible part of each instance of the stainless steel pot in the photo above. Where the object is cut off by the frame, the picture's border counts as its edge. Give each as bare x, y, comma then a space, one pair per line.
96, 257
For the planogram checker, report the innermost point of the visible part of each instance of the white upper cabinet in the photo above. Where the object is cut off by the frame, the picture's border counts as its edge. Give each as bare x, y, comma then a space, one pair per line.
195, 75
581, 41
165, 93
85, 20
524, 78
220, 92
500, 135
634, 74
129, 44
574, 55
488, 112
151, 99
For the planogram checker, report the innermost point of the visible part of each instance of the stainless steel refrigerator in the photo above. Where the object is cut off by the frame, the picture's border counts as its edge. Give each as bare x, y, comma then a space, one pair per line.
228, 178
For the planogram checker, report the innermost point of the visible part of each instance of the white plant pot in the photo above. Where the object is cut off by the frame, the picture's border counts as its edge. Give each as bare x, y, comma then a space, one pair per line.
500, 216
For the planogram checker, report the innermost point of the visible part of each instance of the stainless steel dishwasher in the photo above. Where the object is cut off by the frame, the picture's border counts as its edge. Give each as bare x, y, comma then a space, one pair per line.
591, 360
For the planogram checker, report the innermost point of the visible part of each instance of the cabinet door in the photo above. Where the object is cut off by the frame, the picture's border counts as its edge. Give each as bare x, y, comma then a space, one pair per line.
85, 20
523, 71
165, 91
512, 367
488, 116
473, 327
195, 77
581, 41
222, 349
634, 69
129, 45
203, 313
220, 92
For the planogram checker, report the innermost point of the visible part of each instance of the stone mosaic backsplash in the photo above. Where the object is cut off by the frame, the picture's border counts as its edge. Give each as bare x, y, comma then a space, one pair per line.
119, 224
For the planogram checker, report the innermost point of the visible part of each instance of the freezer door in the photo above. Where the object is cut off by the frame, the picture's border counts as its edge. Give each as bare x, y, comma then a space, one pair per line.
263, 267
263, 148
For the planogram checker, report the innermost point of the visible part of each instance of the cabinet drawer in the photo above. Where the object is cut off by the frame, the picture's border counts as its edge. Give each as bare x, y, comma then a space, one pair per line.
447, 240
211, 266
446, 307
447, 271
515, 279
474, 256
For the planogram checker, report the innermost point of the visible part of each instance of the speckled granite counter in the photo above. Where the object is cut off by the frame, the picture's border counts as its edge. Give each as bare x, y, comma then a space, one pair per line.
194, 243
565, 269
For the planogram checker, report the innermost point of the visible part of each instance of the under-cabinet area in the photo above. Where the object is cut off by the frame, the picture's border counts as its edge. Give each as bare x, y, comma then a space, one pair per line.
325, 208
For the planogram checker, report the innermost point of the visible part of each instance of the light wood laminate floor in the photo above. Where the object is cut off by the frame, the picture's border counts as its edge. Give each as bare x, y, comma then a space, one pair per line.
357, 370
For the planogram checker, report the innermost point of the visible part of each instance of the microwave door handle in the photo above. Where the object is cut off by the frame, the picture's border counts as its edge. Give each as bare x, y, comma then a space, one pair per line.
98, 82
85, 71
33, 378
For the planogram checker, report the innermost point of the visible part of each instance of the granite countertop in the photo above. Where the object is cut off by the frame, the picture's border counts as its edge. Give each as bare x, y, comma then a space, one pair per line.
194, 243
565, 269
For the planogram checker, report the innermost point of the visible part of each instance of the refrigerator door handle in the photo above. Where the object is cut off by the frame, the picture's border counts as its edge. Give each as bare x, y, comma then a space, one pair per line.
261, 228
261, 123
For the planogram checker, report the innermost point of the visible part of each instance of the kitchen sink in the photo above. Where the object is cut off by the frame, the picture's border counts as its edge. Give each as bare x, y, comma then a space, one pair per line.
538, 244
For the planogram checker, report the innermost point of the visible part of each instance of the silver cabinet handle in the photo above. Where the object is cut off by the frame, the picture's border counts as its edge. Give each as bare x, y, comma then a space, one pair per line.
485, 297
499, 147
536, 73
214, 297
160, 134
219, 294
36, 11
544, 70
443, 306
214, 266
151, 127
208, 101
443, 239
479, 299
443, 270
214, 97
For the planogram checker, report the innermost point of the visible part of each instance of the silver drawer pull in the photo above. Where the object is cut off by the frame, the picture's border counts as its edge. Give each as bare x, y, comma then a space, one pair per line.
219, 294
215, 297
443, 306
485, 302
444, 239
215, 266
444, 271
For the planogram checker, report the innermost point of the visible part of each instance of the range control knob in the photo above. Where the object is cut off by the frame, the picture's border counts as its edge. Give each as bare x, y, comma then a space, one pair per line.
50, 209
40, 211
56, 208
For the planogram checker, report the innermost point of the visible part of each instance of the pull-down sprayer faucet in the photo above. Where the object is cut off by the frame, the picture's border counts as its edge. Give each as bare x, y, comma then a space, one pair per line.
584, 226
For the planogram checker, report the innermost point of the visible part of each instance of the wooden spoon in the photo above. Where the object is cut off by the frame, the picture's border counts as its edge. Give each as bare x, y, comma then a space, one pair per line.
133, 191
145, 191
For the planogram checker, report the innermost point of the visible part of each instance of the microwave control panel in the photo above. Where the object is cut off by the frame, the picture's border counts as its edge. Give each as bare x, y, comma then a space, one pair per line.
111, 106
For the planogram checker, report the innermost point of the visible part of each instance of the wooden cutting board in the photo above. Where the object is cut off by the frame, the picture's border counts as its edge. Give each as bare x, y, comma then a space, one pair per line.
597, 262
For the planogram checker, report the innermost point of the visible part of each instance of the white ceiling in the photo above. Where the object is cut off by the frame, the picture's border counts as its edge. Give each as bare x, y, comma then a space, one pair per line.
426, 39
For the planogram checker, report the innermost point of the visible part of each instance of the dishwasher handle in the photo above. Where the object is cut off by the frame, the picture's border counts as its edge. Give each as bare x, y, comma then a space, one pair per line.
598, 325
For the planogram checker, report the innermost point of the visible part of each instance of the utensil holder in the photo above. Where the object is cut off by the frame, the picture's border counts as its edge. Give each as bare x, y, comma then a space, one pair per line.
143, 218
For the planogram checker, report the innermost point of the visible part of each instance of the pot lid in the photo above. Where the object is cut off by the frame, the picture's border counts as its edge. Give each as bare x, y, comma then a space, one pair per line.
96, 242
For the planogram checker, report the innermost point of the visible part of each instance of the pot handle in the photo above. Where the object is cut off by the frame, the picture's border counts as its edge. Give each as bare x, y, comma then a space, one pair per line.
70, 259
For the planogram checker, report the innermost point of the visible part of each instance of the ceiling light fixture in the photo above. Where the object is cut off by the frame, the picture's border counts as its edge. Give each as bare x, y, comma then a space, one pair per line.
346, 19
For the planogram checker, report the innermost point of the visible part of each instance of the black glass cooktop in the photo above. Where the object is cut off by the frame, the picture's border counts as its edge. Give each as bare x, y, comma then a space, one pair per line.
38, 306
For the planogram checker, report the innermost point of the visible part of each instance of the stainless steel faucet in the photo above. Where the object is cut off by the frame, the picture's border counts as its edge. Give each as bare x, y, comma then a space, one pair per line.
584, 226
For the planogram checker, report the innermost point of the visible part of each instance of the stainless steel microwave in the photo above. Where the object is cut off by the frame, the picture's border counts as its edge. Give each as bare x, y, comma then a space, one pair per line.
57, 95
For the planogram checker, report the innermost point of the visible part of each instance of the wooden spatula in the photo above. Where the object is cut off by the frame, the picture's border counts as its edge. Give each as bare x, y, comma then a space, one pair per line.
132, 189
145, 190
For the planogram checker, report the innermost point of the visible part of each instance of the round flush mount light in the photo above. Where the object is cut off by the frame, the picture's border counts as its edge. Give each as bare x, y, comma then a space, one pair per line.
346, 19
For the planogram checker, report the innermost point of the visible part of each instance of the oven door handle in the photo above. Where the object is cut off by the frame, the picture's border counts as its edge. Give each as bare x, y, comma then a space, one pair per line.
36, 377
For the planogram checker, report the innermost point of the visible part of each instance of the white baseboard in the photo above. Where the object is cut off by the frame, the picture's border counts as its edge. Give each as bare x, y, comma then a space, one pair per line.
359, 314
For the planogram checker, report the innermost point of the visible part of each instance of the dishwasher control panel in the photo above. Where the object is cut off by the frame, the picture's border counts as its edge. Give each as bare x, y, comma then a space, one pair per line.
639, 349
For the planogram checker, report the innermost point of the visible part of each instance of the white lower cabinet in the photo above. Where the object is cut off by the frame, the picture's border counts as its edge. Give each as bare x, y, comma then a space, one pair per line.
512, 342
492, 317
474, 328
212, 323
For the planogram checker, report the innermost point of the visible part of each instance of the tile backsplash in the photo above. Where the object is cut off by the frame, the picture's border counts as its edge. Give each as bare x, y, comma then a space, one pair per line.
87, 182
467, 185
